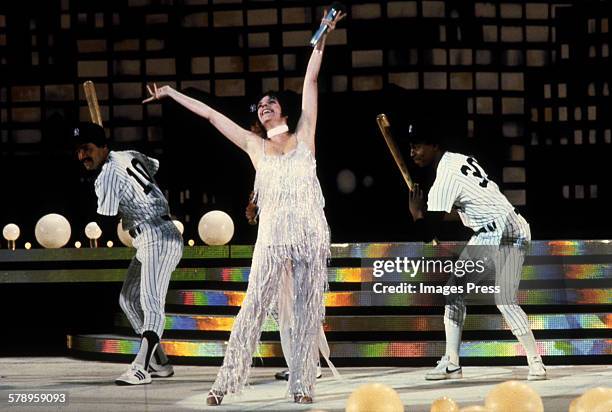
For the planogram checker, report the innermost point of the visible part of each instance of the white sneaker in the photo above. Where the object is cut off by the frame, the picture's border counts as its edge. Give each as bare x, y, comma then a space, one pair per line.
160, 371
445, 370
135, 375
537, 370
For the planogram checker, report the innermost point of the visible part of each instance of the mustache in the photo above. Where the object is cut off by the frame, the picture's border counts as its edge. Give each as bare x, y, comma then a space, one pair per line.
87, 159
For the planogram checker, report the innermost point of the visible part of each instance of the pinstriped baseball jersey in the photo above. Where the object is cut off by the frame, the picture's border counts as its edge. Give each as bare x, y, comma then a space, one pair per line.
126, 186
462, 183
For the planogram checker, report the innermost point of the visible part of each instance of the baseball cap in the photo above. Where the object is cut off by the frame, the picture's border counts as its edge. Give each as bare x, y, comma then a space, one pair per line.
421, 130
85, 132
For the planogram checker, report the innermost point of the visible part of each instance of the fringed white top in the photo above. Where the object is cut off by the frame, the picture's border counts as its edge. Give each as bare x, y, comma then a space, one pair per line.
290, 201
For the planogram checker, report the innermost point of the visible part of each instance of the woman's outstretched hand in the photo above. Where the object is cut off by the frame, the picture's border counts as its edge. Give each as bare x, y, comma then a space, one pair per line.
156, 94
331, 24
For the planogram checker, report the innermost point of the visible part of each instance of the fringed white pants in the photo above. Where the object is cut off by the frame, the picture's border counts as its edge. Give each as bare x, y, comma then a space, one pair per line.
282, 279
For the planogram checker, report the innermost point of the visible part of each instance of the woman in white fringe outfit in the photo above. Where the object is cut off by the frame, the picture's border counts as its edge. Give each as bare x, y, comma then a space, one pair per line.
289, 267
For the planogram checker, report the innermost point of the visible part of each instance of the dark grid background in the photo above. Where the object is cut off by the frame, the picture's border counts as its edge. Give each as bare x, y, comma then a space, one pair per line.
524, 83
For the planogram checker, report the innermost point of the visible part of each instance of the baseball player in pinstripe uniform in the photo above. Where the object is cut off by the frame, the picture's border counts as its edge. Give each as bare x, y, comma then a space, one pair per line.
126, 186
501, 236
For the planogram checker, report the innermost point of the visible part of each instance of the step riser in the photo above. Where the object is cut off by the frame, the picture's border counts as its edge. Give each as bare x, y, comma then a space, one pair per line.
393, 323
336, 275
361, 299
558, 277
354, 350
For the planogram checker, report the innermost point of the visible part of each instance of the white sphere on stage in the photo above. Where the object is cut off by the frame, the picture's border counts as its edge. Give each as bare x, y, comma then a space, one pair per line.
124, 235
11, 232
179, 226
216, 228
52, 231
93, 231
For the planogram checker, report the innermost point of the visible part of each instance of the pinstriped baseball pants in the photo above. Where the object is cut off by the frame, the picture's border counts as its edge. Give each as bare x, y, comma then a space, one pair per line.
159, 248
504, 250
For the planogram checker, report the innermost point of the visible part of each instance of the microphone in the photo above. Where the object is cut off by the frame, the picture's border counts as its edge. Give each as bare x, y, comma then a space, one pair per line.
333, 11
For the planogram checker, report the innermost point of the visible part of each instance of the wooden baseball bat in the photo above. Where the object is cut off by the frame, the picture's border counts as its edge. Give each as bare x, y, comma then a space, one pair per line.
385, 129
92, 102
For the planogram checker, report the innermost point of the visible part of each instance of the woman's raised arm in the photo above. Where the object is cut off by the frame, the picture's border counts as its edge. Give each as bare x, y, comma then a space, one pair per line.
228, 128
308, 119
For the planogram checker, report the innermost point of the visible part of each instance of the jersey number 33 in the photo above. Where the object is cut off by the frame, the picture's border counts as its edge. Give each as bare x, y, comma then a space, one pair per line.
477, 172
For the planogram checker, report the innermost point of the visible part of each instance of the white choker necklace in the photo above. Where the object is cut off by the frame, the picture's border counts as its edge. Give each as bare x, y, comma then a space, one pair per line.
283, 128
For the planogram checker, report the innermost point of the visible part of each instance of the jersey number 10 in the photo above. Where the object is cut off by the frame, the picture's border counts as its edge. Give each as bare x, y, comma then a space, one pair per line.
473, 167
142, 171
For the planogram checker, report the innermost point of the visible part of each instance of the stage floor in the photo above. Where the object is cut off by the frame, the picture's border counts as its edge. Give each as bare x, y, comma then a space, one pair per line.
90, 386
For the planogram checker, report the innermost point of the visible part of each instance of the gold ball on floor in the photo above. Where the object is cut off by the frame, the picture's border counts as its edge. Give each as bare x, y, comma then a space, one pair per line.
513, 396
572, 405
605, 406
444, 404
475, 408
374, 397
593, 400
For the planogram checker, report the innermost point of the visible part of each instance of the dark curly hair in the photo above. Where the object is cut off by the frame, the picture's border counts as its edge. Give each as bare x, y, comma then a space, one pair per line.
289, 102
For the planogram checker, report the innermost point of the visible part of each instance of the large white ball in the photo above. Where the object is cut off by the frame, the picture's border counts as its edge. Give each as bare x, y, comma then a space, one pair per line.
179, 226
216, 228
124, 235
11, 231
93, 231
52, 231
